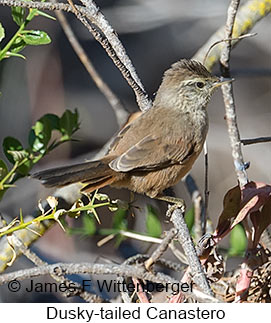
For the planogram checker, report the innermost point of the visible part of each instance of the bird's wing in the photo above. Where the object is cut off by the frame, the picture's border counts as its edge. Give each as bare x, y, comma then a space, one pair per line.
145, 155
118, 137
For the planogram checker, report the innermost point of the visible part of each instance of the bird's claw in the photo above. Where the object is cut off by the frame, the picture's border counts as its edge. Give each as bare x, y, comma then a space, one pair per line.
171, 208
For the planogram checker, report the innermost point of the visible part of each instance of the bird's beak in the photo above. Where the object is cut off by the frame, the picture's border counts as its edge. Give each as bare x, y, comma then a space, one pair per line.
221, 81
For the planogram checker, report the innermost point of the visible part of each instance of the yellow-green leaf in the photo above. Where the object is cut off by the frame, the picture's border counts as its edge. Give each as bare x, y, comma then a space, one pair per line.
18, 15
238, 241
153, 224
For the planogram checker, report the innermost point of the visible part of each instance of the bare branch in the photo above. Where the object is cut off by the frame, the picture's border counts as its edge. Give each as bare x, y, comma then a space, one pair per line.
76, 291
82, 268
245, 20
224, 40
94, 269
118, 108
100, 21
255, 140
206, 189
170, 235
187, 244
227, 91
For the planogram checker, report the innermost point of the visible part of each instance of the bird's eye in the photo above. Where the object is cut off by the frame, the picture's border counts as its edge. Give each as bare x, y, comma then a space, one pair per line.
200, 85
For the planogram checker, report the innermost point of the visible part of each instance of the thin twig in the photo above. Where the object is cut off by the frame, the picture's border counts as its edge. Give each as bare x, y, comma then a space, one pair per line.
95, 269
82, 268
177, 253
227, 91
142, 296
76, 290
206, 189
170, 235
198, 203
139, 258
128, 69
118, 108
258, 140
224, 40
244, 22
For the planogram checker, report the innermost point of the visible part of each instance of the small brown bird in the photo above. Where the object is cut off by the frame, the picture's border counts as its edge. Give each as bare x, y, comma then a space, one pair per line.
157, 149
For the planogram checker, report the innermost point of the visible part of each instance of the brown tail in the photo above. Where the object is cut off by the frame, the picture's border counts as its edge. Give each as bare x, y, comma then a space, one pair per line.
96, 174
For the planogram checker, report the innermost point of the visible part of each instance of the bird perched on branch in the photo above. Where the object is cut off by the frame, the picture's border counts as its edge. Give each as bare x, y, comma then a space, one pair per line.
157, 149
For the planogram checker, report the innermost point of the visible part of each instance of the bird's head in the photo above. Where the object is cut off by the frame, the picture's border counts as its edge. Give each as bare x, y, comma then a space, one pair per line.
188, 83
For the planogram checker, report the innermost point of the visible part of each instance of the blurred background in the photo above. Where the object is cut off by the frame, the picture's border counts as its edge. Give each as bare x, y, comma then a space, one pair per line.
155, 33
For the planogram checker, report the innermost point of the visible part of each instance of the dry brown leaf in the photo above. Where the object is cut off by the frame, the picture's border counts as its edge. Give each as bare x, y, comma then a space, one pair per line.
261, 220
231, 207
238, 204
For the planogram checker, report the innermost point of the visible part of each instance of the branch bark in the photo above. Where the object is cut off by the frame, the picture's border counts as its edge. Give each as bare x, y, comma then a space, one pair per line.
258, 140
119, 110
187, 244
228, 96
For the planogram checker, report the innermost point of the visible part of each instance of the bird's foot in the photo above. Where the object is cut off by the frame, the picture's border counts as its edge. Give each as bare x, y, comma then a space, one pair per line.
173, 207
177, 203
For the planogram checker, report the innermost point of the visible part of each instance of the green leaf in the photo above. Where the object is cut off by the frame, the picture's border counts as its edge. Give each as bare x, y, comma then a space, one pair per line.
153, 224
3, 169
34, 142
119, 238
68, 123
53, 120
8, 54
35, 37
189, 218
106, 232
14, 151
120, 223
11, 144
89, 225
18, 15
2, 32
18, 155
40, 135
238, 241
